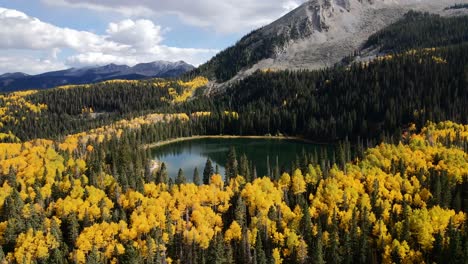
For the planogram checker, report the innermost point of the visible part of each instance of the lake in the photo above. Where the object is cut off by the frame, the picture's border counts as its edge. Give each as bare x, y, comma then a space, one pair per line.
194, 153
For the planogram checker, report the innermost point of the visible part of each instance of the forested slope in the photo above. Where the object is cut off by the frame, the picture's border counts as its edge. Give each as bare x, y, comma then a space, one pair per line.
91, 198
420, 30
392, 190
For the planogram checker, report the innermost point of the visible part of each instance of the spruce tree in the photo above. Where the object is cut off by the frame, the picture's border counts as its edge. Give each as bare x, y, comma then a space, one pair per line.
196, 177
180, 178
231, 164
93, 257
207, 172
334, 254
260, 255
162, 176
317, 254
306, 226
216, 253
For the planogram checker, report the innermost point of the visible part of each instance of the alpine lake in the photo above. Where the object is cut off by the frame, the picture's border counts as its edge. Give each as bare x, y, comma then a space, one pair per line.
188, 154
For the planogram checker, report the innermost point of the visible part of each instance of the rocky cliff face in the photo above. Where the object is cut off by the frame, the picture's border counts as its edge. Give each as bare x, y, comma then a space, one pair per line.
320, 33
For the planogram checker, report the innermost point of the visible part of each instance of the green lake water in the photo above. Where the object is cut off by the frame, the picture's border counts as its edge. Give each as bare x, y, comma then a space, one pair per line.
194, 153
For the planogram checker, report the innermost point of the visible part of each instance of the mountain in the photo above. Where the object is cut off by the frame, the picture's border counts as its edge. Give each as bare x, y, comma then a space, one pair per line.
14, 75
317, 34
160, 69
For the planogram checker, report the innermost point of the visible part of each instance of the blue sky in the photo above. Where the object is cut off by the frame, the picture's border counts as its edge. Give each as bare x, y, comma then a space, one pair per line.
43, 35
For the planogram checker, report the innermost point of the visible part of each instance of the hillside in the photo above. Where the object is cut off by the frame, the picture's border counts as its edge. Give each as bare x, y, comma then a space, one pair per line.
89, 198
317, 34
385, 181
159, 69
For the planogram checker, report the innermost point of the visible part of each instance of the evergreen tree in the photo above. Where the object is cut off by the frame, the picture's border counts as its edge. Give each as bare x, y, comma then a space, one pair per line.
196, 177
73, 230
231, 164
244, 167
317, 254
363, 243
180, 178
306, 226
93, 257
162, 176
207, 172
131, 255
2, 255
11, 179
240, 212
216, 254
260, 255
334, 254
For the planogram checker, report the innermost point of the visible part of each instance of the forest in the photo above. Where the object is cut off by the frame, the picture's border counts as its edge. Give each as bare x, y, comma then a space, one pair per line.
91, 198
78, 186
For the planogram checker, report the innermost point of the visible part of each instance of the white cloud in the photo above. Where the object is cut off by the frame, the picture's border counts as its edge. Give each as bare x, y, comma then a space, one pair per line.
125, 42
158, 52
27, 64
221, 15
140, 33
19, 31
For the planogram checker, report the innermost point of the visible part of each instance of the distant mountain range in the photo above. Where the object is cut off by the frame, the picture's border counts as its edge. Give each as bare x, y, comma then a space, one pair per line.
158, 69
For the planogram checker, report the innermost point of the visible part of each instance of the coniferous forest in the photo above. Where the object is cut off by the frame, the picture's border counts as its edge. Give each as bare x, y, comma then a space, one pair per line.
78, 184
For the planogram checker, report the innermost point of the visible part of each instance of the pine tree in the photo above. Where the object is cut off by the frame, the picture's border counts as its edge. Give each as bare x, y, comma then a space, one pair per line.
276, 172
334, 255
347, 249
231, 164
465, 251
240, 212
180, 178
162, 176
405, 233
207, 172
354, 237
229, 254
2, 255
216, 253
131, 255
259, 252
196, 177
455, 244
317, 255
244, 167
93, 257
73, 230
437, 191
306, 224
363, 243
438, 250
11, 179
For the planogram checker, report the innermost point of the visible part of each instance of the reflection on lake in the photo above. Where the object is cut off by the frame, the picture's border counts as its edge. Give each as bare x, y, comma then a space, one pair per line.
194, 153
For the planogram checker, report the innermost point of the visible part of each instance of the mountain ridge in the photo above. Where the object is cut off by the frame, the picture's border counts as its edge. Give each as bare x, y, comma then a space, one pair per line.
317, 34
161, 69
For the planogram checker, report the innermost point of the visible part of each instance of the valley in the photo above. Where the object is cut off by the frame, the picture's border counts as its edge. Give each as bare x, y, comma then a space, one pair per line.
336, 134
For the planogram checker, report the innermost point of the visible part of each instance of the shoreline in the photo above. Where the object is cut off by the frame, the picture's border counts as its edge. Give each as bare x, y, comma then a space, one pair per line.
181, 139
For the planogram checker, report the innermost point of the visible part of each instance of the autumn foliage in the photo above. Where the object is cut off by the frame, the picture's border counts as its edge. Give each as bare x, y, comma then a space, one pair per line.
387, 199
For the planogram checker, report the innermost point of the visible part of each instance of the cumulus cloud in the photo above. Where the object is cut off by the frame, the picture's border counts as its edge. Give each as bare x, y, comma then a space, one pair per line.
221, 15
140, 34
19, 31
125, 42
159, 52
28, 64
